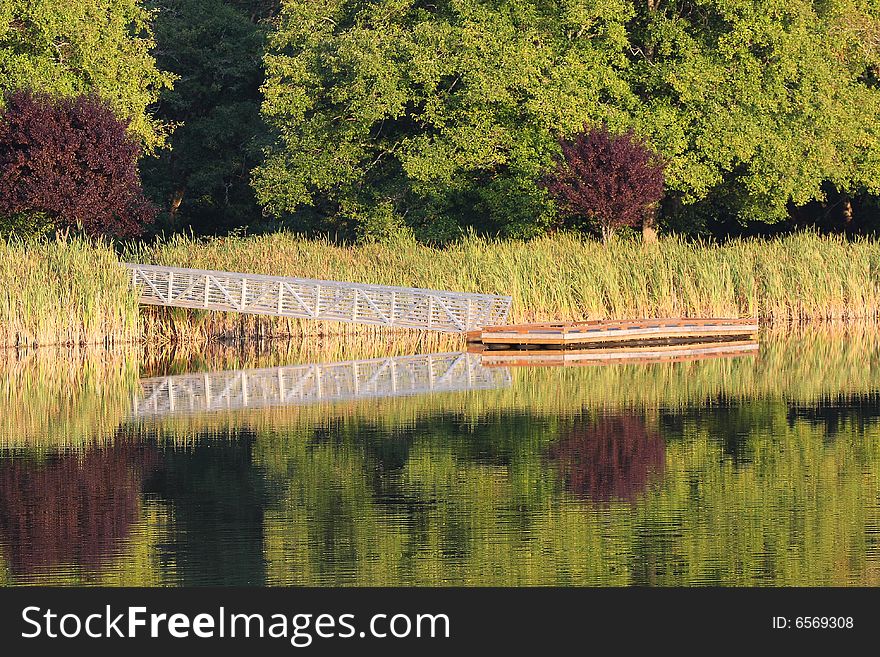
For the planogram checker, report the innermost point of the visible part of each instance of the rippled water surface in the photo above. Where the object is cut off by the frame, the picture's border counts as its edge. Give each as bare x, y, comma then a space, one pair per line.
259, 468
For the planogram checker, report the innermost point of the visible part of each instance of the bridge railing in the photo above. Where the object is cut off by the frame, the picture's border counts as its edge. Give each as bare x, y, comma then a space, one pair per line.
302, 384
453, 312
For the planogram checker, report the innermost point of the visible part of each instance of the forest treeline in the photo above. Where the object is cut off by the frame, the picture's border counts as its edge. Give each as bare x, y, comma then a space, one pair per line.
431, 118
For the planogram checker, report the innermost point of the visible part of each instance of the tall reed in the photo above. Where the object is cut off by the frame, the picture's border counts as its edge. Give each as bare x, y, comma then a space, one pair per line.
67, 292
73, 292
804, 277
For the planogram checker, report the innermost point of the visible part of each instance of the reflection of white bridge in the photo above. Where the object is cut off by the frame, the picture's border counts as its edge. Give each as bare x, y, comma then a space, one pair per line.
301, 384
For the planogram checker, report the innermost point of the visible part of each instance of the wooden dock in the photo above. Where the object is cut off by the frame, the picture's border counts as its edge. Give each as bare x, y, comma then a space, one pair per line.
632, 354
561, 335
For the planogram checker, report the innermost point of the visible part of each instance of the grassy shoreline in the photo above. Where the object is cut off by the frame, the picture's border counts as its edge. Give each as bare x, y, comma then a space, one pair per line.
68, 292
73, 292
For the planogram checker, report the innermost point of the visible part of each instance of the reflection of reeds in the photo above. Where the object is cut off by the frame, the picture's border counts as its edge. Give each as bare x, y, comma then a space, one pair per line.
50, 397
64, 397
810, 364
190, 357
64, 292
465, 499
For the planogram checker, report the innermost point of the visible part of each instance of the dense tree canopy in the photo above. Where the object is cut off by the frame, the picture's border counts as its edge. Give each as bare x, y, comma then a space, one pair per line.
445, 113
434, 113
74, 47
215, 48
756, 104
382, 117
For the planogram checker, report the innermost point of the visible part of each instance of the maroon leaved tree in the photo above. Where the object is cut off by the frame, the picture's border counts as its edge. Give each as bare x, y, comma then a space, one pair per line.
610, 180
72, 161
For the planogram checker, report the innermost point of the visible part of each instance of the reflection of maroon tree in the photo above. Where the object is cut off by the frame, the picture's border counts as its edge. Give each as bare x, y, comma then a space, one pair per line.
70, 508
611, 458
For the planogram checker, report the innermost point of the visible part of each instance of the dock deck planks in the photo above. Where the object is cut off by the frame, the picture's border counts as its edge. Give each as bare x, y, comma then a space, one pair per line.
615, 355
566, 334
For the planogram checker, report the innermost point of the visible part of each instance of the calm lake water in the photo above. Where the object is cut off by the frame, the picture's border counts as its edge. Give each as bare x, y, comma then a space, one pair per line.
121, 468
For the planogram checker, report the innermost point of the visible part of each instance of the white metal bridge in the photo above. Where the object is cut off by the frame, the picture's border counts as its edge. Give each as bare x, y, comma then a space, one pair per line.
303, 384
405, 307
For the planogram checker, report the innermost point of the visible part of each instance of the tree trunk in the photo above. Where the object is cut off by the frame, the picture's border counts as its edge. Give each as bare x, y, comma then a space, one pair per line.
649, 230
847, 212
176, 200
648, 47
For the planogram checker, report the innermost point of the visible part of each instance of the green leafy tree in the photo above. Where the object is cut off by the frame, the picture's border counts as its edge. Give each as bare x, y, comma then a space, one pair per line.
432, 115
215, 47
394, 114
759, 106
80, 47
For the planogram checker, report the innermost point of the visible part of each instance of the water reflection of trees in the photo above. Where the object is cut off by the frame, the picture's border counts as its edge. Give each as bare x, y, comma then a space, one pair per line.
71, 508
218, 496
611, 457
76, 509
836, 412
475, 500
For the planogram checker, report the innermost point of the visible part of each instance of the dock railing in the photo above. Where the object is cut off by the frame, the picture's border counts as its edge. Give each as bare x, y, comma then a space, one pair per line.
304, 298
